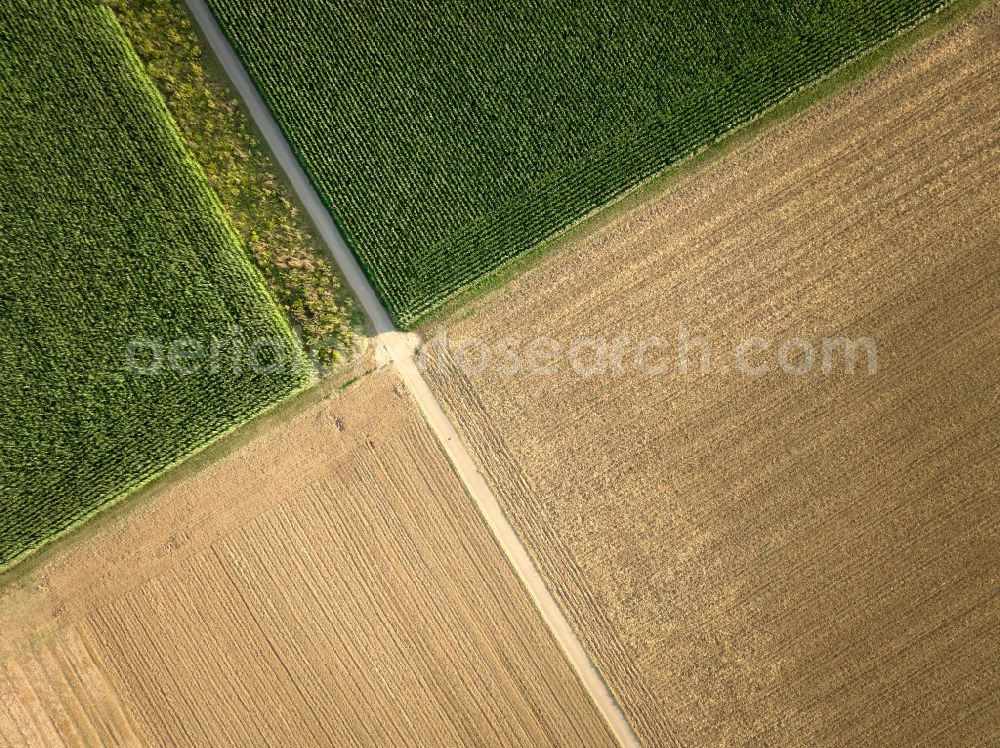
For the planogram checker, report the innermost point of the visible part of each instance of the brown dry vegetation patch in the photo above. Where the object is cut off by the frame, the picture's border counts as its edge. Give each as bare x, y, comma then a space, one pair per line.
777, 559
328, 583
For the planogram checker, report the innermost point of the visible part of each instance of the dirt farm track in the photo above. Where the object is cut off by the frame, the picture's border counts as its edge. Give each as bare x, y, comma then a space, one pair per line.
328, 583
778, 559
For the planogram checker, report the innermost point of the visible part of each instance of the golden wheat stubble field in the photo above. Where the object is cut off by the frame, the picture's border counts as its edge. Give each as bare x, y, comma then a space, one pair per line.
328, 583
777, 559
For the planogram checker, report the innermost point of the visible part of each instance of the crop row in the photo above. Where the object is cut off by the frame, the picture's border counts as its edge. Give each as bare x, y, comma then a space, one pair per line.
447, 138
112, 245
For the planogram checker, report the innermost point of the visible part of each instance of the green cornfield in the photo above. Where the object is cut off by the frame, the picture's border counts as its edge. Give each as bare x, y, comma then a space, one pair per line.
120, 277
449, 137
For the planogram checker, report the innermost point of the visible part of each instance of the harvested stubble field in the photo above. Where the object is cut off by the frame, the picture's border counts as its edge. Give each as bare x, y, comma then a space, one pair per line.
780, 559
327, 583
447, 138
109, 233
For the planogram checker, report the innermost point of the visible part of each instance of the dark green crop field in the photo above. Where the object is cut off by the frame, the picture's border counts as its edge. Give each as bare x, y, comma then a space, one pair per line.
449, 137
109, 235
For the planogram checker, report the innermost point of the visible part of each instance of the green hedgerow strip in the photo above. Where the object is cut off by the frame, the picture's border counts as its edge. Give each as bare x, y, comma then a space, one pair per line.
295, 265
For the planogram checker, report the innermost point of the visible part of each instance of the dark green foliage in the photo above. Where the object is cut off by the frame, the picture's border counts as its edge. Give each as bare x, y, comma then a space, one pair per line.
449, 137
108, 232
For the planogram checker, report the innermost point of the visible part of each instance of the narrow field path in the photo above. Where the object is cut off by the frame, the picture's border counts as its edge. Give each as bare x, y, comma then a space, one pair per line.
399, 349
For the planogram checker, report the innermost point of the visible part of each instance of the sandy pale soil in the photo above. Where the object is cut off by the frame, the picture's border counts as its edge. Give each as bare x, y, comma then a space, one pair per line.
768, 558
328, 583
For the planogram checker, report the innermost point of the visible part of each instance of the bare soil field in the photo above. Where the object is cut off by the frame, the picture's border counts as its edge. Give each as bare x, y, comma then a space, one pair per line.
326, 583
768, 558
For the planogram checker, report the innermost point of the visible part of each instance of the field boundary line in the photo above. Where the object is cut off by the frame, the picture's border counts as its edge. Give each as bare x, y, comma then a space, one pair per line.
489, 507
399, 348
